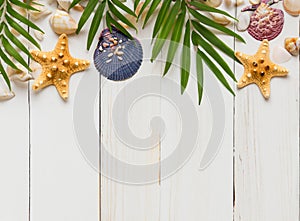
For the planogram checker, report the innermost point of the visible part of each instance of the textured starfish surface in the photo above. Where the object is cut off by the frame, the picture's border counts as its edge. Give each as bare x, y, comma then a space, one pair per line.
57, 67
259, 69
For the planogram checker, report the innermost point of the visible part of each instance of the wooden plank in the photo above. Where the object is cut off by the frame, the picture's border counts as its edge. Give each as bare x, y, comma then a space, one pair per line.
14, 153
267, 141
201, 188
130, 187
64, 183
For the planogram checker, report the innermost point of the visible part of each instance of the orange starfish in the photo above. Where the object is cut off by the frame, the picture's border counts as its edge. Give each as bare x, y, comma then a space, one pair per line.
259, 69
58, 66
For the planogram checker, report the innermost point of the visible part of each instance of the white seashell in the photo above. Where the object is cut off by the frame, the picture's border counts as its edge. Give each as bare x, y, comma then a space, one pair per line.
212, 3
64, 4
84, 3
18, 75
39, 35
280, 55
292, 45
243, 21
220, 19
254, 2
239, 3
6, 95
292, 7
228, 3
50, 1
61, 22
42, 12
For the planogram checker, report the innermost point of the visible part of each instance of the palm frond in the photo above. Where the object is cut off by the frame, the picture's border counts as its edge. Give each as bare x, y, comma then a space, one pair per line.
11, 19
169, 24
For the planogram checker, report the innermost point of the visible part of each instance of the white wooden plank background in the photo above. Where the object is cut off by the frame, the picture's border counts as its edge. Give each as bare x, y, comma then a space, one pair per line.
255, 175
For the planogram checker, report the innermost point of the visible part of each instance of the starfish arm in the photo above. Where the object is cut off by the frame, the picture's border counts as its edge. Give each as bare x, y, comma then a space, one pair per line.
279, 71
242, 57
265, 89
41, 82
264, 50
41, 57
244, 81
62, 46
77, 65
62, 87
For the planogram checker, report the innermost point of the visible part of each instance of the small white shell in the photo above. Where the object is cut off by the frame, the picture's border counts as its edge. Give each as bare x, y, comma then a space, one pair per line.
61, 22
292, 45
228, 3
64, 4
84, 3
39, 35
18, 75
292, 7
6, 95
239, 3
280, 55
50, 1
254, 2
220, 19
243, 21
42, 12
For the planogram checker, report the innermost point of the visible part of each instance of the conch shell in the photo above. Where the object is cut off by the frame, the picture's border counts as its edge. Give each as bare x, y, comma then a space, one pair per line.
62, 23
292, 45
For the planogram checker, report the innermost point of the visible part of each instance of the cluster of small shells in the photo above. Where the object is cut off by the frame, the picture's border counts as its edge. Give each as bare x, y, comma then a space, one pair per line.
118, 52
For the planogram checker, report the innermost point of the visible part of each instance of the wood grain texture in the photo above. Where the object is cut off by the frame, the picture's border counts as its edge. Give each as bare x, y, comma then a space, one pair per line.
14, 155
126, 192
64, 186
195, 193
267, 141
45, 174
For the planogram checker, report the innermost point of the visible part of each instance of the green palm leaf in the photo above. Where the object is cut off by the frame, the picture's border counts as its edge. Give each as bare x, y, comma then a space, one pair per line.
120, 16
12, 19
216, 71
185, 58
166, 27
86, 14
152, 9
203, 7
199, 68
161, 17
213, 53
211, 23
123, 7
95, 24
176, 36
2, 71
213, 39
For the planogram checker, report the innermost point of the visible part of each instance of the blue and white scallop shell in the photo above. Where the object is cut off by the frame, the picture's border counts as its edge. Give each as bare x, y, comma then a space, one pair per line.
117, 57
